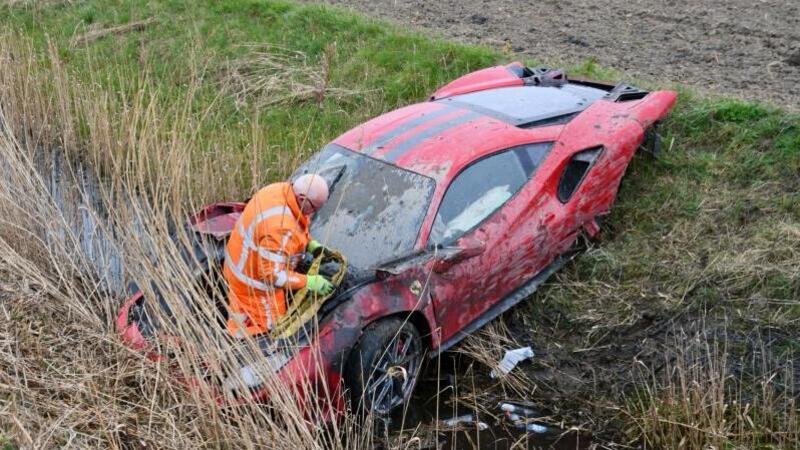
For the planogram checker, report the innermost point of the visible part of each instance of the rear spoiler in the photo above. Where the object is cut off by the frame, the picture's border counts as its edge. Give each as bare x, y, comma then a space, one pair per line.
615, 92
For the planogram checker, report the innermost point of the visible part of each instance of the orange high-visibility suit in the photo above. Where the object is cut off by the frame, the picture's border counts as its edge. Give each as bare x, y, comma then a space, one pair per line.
260, 257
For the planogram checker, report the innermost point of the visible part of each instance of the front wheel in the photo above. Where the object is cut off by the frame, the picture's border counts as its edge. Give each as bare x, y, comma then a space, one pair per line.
384, 366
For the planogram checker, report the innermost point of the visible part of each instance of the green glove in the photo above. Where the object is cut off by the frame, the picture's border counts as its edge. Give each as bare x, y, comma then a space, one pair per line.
318, 284
313, 246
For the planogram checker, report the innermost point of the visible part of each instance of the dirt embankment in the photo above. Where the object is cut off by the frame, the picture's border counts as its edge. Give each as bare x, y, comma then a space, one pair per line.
731, 47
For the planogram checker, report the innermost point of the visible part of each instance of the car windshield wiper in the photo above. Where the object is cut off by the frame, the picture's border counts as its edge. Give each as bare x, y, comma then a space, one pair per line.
402, 263
333, 174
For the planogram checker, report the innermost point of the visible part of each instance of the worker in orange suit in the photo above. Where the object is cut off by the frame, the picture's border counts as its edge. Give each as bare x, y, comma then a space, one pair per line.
267, 241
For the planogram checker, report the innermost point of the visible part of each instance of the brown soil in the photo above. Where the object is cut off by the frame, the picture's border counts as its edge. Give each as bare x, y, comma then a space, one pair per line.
732, 47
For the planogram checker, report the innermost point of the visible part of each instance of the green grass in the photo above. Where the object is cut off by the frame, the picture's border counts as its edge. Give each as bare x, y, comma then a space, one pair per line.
747, 142
203, 37
714, 224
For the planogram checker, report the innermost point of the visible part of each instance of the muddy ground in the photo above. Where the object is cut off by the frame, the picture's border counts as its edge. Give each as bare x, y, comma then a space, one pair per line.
741, 48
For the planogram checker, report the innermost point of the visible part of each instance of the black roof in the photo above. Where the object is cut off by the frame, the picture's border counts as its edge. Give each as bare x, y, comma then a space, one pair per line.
521, 105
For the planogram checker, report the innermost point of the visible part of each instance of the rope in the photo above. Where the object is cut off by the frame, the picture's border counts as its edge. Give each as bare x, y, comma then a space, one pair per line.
305, 305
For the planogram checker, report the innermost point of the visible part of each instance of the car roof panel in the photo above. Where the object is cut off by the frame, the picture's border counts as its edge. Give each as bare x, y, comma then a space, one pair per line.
519, 105
436, 140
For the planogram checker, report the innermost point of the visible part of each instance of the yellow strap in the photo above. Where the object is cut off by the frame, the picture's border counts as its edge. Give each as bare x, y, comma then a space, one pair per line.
305, 304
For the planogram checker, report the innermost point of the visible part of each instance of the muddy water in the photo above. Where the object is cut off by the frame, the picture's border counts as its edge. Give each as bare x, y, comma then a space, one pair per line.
76, 192
435, 398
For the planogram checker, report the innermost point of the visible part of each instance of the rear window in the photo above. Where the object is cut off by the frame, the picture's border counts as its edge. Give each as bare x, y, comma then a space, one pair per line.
521, 105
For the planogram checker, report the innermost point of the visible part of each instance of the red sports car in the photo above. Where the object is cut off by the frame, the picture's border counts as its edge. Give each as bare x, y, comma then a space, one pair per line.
449, 212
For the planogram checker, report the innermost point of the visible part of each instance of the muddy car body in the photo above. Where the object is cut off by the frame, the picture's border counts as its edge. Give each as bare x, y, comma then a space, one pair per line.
450, 212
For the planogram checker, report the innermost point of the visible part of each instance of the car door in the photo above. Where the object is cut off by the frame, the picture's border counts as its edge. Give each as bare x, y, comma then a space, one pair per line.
484, 235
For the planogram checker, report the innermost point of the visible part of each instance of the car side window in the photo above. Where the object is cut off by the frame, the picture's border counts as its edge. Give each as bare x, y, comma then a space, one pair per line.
576, 170
483, 187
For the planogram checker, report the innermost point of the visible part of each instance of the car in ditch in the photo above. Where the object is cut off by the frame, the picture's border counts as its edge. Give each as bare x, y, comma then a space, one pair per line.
448, 212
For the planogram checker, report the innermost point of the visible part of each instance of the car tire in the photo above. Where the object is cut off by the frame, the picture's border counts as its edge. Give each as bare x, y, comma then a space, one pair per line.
384, 367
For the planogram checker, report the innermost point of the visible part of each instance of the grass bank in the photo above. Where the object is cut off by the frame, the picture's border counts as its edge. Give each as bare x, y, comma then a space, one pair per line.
679, 328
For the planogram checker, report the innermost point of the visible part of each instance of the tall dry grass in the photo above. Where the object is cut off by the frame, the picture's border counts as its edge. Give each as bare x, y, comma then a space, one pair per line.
271, 75
487, 347
67, 379
703, 398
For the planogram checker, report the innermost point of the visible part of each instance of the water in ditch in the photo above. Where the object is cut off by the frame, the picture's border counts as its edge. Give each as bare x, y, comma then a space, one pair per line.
76, 192
446, 394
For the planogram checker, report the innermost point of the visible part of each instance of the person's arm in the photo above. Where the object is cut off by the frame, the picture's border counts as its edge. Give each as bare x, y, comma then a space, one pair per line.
274, 250
313, 245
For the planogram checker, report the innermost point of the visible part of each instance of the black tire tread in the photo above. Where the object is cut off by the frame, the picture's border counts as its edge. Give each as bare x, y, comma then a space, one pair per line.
374, 340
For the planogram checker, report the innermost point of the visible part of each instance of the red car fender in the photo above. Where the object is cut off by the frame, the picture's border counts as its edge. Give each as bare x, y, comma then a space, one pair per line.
130, 334
404, 295
653, 107
313, 380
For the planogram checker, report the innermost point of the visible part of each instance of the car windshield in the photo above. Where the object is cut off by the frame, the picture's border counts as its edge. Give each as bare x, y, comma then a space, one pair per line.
375, 209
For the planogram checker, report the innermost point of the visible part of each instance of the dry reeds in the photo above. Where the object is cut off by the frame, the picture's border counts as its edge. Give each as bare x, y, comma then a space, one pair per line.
270, 75
488, 346
99, 32
67, 379
698, 401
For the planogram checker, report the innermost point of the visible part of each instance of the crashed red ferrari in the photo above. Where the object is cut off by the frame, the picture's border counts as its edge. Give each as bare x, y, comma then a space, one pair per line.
449, 212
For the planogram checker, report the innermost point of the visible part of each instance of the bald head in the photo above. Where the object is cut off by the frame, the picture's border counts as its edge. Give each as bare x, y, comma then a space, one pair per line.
311, 191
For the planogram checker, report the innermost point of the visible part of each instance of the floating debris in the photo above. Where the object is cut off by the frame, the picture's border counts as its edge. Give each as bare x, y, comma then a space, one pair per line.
520, 417
517, 409
467, 420
523, 424
511, 359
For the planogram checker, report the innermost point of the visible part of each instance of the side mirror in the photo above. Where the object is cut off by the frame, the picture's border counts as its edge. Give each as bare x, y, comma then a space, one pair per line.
463, 250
